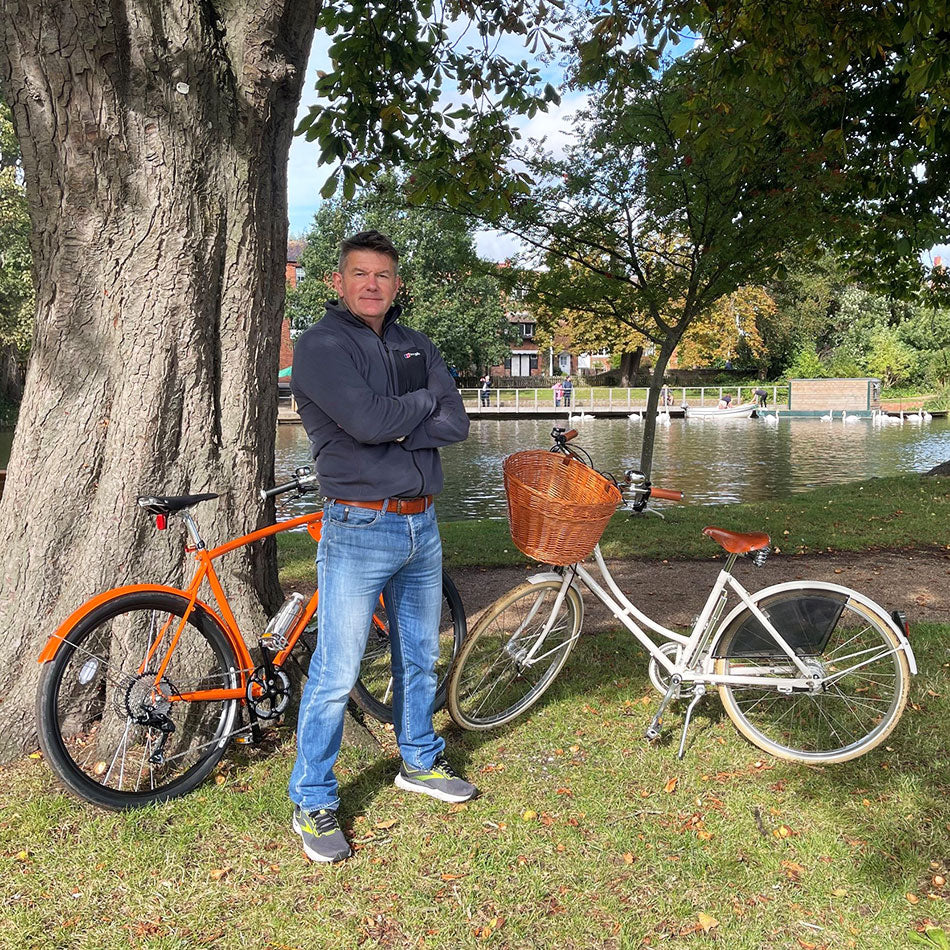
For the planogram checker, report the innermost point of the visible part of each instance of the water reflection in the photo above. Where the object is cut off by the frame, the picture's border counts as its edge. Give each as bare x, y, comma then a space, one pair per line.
713, 461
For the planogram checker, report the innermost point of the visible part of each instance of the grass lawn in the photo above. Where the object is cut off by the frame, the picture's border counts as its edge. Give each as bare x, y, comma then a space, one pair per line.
584, 835
896, 512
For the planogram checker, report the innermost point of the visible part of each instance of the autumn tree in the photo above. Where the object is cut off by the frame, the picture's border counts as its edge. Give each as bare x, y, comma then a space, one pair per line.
650, 219
729, 330
154, 145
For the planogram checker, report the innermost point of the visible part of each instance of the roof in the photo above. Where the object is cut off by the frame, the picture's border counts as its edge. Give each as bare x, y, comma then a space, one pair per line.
294, 250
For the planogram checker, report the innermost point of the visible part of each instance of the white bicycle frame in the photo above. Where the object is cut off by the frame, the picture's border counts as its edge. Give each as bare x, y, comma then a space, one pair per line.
695, 663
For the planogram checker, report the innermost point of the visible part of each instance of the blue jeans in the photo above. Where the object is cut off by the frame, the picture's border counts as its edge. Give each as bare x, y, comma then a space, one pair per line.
361, 554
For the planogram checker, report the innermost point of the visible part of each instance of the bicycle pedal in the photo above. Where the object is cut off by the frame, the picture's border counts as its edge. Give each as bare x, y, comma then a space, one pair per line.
653, 730
245, 740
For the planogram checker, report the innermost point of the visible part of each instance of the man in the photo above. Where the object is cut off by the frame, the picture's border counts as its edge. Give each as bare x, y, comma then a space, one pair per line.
377, 402
484, 393
567, 388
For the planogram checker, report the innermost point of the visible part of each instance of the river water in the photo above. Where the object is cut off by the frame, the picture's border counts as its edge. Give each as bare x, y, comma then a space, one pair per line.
712, 461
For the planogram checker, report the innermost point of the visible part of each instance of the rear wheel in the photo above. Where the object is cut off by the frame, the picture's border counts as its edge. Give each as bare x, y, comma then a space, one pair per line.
494, 679
110, 727
373, 691
855, 657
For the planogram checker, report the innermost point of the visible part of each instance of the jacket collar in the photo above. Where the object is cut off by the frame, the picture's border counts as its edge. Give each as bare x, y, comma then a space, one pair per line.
338, 309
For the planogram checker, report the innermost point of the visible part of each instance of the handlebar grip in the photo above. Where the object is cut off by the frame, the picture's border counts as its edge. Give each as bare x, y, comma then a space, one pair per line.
570, 434
666, 493
277, 490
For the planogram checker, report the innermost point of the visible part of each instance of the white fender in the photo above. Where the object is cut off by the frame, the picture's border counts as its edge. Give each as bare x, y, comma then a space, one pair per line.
874, 608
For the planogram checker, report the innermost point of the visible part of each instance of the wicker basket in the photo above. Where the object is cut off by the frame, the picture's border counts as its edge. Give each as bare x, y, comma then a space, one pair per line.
557, 506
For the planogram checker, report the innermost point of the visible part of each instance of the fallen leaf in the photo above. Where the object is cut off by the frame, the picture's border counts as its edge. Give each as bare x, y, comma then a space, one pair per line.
706, 922
704, 835
628, 858
216, 874
793, 870
671, 786
839, 892
384, 825
529, 815
912, 899
450, 877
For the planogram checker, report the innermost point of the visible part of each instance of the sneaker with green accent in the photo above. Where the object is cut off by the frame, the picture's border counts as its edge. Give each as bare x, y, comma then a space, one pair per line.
441, 781
321, 835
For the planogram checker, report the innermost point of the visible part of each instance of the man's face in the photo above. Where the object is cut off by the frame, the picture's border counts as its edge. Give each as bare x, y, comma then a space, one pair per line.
368, 284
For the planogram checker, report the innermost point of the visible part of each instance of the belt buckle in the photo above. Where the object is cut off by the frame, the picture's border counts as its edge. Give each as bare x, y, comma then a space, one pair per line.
399, 502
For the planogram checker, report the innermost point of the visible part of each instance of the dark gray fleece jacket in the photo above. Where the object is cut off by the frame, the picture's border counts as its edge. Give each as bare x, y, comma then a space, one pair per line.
358, 393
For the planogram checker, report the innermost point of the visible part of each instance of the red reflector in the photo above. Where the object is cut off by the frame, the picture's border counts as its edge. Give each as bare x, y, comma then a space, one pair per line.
161, 522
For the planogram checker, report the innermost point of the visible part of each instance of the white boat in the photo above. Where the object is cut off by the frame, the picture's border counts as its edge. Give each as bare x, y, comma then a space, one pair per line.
745, 411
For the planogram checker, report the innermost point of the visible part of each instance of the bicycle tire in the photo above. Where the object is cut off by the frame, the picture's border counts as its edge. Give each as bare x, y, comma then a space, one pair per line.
91, 691
850, 716
490, 685
373, 690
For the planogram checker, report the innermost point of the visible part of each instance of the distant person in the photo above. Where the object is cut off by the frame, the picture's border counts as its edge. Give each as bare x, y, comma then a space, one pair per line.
567, 388
484, 393
761, 398
724, 401
454, 373
666, 396
558, 391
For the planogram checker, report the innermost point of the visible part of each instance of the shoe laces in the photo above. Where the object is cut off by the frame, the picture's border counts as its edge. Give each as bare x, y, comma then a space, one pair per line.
442, 764
324, 821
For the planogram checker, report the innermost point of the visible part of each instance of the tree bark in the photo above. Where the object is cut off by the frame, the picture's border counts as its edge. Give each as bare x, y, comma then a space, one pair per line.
630, 366
661, 359
155, 139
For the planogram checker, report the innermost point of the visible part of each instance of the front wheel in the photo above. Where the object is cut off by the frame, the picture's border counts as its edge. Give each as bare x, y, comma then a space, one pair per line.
856, 660
505, 664
373, 691
114, 729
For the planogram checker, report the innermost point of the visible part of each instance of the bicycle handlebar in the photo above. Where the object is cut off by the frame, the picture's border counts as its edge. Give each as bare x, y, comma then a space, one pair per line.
304, 481
667, 493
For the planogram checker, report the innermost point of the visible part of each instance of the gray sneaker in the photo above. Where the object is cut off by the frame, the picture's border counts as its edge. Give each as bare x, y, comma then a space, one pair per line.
321, 835
441, 781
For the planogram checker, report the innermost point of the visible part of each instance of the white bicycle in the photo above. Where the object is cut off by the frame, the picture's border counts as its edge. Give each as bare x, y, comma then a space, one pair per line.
807, 671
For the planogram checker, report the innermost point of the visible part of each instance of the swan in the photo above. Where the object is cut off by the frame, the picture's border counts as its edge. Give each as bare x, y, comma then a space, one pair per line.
845, 417
829, 416
663, 417
771, 418
915, 418
926, 416
636, 415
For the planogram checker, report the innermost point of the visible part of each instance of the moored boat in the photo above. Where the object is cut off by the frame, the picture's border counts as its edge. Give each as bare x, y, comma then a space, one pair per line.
745, 411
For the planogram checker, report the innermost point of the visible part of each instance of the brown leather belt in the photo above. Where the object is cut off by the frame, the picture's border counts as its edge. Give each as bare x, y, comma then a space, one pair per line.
400, 506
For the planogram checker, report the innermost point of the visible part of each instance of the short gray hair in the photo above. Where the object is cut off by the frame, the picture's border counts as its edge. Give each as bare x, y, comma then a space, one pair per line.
368, 241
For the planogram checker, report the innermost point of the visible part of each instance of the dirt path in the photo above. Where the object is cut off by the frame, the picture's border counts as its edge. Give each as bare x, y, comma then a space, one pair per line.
917, 582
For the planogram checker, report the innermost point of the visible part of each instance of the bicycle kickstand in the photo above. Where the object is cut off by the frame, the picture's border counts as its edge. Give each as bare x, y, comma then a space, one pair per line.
699, 692
653, 730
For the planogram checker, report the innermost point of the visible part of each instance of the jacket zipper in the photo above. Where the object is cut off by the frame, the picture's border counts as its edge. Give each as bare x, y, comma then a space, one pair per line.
394, 378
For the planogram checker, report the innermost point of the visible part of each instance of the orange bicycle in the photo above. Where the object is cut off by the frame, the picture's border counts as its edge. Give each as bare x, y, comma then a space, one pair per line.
144, 686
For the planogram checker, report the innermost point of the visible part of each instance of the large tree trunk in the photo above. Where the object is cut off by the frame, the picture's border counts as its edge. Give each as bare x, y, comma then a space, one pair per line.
661, 359
155, 139
630, 366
